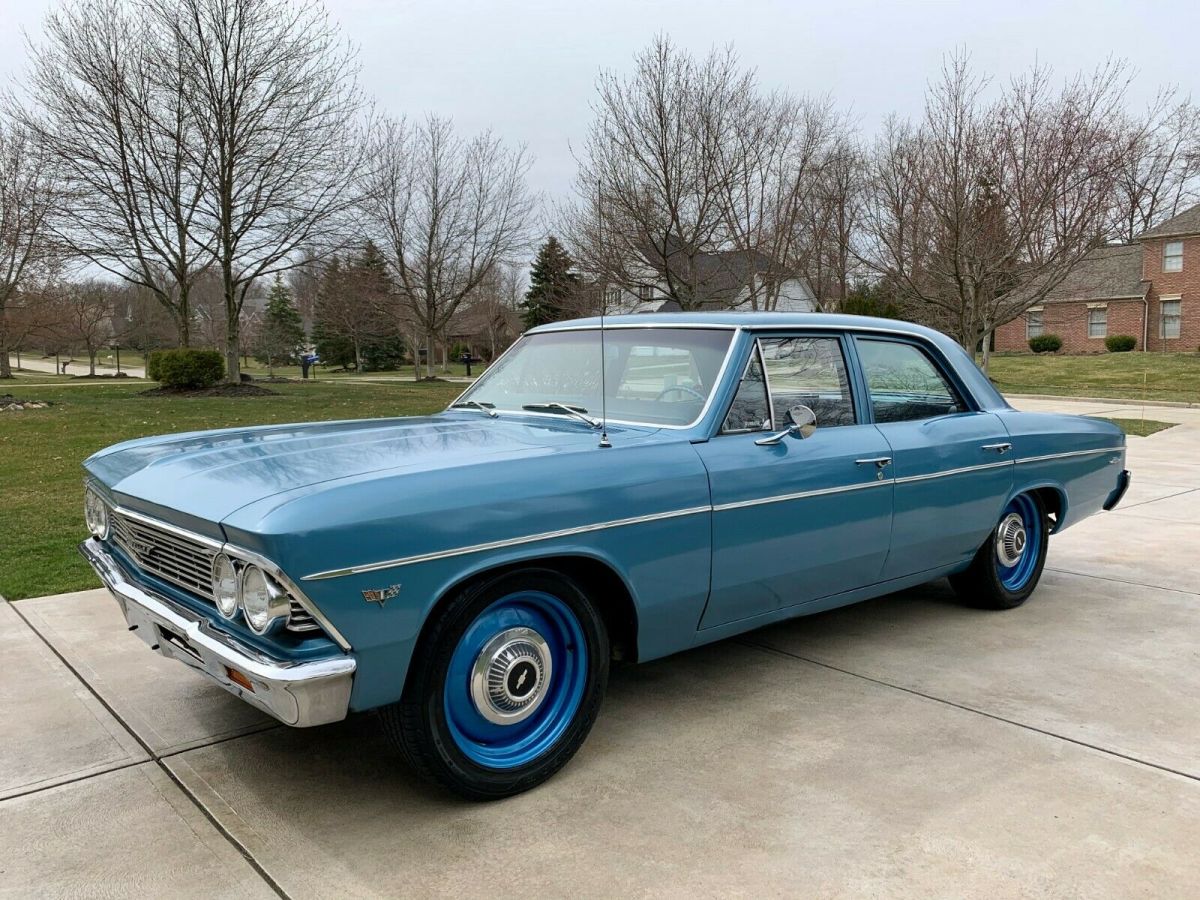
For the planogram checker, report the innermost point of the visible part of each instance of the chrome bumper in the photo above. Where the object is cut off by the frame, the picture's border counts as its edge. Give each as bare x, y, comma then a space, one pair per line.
299, 694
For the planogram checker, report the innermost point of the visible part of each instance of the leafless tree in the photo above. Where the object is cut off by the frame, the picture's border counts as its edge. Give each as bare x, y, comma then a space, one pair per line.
29, 191
110, 90
980, 210
84, 317
273, 89
353, 301
446, 210
1160, 166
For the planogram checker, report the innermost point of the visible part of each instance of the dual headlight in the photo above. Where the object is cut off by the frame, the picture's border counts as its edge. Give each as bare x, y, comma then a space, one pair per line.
246, 587
95, 513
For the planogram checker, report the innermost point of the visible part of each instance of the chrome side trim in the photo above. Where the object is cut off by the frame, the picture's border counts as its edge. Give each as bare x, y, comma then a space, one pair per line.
945, 473
613, 326
799, 495
508, 542
1029, 459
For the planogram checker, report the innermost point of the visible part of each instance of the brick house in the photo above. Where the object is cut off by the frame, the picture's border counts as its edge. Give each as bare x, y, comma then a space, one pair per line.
1149, 289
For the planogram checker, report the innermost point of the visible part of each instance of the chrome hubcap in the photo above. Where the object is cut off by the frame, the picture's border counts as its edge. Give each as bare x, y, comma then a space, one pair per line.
510, 676
1010, 540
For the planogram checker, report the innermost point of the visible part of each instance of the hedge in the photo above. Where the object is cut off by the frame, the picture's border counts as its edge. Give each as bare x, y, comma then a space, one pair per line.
1120, 343
185, 368
1045, 343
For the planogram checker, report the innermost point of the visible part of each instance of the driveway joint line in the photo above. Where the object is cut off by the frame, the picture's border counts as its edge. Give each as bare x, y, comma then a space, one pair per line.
75, 779
970, 709
1157, 587
1157, 499
163, 767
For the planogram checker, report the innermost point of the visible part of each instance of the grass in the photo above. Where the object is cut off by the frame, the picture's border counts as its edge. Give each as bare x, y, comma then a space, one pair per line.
1139, 427
41, 482
1123, 376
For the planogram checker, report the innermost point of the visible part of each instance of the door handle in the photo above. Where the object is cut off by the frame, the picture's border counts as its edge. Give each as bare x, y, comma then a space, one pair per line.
879, 461
999, 448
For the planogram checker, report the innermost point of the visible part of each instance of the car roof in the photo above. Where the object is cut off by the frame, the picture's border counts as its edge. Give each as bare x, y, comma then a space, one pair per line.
756, 320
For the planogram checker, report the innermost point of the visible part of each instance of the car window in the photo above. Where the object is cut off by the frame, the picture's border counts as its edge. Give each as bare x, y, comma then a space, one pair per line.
750, 410
904, 383
809, 372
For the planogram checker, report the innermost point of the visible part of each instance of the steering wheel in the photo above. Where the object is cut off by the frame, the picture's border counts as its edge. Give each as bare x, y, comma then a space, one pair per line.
679, 387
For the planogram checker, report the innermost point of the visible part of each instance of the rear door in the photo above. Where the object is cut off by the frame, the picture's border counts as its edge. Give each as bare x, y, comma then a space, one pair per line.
802, 518
952, 462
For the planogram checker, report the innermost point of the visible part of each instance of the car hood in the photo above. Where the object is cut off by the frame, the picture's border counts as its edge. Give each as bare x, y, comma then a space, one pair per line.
210, 474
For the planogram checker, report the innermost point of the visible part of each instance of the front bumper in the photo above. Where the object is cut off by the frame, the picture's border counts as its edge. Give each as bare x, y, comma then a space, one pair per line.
299, 694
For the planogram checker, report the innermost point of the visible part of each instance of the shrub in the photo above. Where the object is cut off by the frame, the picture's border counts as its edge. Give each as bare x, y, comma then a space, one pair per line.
1045, 343
185, 368
1120, 343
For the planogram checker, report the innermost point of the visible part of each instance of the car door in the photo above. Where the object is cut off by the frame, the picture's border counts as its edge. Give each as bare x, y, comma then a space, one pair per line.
951, 461
801, 518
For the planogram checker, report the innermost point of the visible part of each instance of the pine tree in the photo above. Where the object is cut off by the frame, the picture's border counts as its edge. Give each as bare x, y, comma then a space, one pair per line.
551, 285
282, 338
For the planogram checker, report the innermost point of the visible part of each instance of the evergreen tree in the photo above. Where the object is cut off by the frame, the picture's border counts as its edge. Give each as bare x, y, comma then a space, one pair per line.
551, 285
281, 340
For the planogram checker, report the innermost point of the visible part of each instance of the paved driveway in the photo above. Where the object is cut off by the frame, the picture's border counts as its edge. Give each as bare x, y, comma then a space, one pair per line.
903, 747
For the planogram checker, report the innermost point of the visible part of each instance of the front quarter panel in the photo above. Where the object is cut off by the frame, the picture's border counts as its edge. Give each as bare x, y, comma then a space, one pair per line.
421, 522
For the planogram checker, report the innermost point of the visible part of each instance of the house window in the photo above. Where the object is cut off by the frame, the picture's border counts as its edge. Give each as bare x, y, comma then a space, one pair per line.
612, 295
1169, 319
645, 291
1173, 256
1035, 326
1098, 322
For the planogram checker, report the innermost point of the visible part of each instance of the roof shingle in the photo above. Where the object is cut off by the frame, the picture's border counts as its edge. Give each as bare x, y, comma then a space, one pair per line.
1107, 273
1187, 222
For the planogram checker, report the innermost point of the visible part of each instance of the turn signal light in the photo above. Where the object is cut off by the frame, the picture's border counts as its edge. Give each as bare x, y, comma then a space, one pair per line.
239, 679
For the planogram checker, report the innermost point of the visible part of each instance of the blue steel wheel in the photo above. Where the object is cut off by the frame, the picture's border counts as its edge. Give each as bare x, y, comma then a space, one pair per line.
505, 685
1007, 567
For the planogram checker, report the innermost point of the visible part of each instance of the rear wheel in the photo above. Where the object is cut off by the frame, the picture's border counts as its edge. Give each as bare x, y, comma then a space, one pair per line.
505, 686
1006, 569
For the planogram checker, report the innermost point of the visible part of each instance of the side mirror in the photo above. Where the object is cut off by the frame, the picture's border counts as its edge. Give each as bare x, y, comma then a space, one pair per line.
802, 422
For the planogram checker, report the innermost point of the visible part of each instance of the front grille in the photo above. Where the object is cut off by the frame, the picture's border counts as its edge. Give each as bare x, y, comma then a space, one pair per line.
182, 562
164, 554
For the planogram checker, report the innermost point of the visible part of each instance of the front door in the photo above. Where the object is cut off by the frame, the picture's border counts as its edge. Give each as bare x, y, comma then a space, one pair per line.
952, 463
799, 519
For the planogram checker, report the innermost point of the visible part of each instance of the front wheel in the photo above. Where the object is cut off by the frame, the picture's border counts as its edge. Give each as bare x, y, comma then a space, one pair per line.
505, 686
1007, 567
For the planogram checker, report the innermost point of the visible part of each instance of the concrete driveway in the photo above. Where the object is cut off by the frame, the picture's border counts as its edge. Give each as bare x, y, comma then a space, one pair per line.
904, 747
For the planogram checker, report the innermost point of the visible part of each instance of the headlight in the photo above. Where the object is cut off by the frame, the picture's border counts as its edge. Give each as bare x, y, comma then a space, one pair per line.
95, 513
225, 586
263, 601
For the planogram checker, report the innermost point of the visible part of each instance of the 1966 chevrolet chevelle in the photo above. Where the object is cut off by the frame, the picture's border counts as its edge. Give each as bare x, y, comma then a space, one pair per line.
472, 573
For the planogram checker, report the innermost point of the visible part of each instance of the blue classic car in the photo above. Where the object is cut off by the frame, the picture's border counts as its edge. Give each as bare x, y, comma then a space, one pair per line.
618, 490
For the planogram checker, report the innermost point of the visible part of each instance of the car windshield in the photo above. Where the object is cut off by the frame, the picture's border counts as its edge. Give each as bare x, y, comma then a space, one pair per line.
656, 376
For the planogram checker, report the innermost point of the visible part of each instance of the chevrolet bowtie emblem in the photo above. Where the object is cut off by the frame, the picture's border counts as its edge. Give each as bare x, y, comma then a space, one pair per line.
383, 595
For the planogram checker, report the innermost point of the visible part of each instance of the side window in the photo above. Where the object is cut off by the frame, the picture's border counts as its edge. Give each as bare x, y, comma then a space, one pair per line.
904, 383
750, 410
811, 372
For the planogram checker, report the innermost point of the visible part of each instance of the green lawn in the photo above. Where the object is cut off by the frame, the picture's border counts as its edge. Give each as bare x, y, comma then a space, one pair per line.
41, 482
1139, 427
1124, 376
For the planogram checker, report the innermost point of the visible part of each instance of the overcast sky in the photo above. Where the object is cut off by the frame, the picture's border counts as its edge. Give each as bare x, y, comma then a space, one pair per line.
527, 69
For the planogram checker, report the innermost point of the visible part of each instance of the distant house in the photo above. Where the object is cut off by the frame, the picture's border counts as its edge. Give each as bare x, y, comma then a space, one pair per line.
1149, 289
732, 279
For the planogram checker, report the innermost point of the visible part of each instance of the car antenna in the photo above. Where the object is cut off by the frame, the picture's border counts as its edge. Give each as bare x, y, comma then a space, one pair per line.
604, 441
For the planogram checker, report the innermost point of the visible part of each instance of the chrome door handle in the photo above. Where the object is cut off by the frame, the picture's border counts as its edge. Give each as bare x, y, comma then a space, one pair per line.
879, 461
999, 448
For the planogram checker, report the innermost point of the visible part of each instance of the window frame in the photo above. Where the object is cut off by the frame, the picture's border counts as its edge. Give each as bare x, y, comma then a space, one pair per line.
1172, 256
755, 353
965, 398
1041, 323
1103, 325
1162, 318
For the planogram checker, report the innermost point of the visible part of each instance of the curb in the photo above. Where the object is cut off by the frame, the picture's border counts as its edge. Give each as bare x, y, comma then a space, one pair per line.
1127, 401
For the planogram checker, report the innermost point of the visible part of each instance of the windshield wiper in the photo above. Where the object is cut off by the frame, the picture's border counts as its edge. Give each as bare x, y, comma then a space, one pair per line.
475, 404
577, 411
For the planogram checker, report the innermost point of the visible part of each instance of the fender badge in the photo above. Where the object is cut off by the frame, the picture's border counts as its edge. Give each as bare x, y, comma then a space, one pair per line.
382, 596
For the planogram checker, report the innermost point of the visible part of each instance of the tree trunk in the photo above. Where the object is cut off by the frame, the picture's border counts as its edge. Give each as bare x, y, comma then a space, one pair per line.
233, 368
987, 350
5, 366
91, 362
357, 357
185, 319
430, 351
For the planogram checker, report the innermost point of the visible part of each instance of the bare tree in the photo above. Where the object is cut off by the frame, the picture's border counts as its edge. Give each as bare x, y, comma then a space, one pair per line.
352, 302
982, 209
446, 211
1159, 174
29, 191
273, 89
110, 89
85, 317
